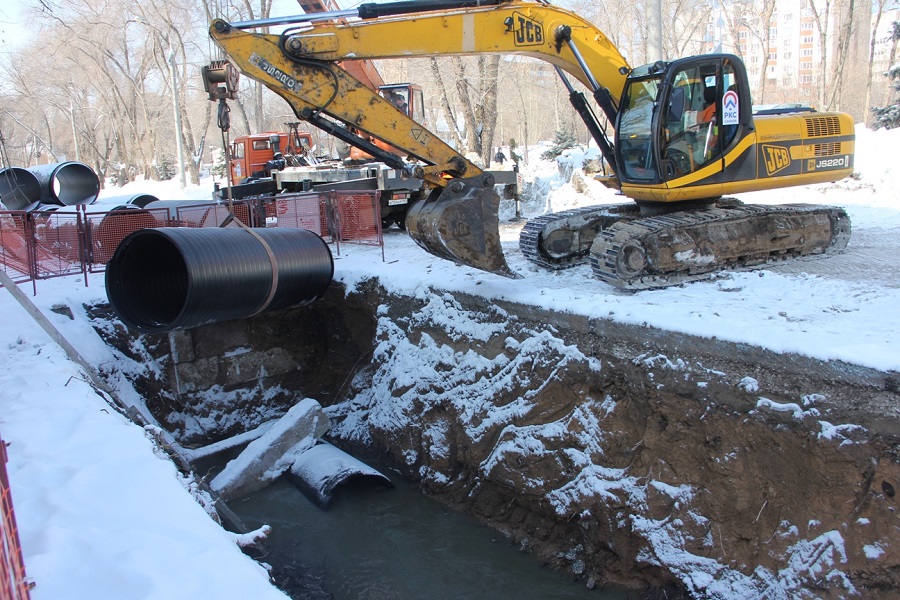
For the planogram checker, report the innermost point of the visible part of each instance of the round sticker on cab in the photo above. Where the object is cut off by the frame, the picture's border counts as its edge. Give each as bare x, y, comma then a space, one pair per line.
730, 108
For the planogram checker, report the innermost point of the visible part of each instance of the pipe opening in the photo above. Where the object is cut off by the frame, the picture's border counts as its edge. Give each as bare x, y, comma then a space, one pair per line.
156, 278
67, 183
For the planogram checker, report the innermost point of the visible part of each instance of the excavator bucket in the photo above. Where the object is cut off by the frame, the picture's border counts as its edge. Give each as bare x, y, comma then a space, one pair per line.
460, 222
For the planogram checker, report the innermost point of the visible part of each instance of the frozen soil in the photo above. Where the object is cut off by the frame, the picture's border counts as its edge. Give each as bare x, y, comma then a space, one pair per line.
621, 453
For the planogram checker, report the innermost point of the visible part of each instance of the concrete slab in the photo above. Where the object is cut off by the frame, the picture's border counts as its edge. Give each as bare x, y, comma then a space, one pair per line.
266, 458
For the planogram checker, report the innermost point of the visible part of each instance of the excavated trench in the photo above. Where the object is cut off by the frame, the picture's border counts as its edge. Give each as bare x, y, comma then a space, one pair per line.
619, 454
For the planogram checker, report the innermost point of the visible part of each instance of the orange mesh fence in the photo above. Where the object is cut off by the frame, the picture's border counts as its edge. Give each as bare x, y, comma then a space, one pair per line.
359, 215
106, 230
211, 215
309, 210
15, 247
58, 243
13, 584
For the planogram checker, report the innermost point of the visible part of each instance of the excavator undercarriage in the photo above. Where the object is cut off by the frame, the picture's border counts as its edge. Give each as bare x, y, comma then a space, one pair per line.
634, 253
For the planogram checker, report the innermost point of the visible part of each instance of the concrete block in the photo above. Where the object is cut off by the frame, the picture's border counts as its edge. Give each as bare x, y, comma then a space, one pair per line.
266, 458
181, 344
250, 366
198, 375
216, 340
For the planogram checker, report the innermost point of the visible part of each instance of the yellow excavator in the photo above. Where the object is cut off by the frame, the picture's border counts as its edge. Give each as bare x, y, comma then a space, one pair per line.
685, 136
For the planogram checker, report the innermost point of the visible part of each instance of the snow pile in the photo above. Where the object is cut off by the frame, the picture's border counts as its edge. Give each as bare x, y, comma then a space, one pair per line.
101, 515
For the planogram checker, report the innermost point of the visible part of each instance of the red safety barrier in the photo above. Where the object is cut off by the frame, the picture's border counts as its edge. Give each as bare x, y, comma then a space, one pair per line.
308, 210
106, 230
211, 215
58, 243
16, 250
13, 583
43, 244
359, 215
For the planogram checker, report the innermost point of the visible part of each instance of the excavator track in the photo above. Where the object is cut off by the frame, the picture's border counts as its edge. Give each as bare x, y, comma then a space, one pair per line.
662, 251
563, 239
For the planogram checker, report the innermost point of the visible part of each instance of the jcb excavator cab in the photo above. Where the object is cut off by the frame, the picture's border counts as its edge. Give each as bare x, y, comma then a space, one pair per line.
678, 119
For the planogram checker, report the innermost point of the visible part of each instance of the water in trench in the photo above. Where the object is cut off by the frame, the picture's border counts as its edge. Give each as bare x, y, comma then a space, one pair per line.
398, 544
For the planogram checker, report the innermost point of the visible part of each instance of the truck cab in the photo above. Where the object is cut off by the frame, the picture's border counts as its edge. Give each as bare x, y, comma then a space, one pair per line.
250, 153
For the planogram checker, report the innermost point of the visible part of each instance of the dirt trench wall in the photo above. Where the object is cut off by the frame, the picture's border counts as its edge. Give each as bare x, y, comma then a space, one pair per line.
620, 453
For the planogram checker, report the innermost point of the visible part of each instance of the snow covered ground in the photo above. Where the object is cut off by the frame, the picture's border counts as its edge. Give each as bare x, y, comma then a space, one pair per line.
101, 515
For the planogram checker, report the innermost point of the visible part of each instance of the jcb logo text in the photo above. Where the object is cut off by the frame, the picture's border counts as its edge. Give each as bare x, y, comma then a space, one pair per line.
776, 158
527, 32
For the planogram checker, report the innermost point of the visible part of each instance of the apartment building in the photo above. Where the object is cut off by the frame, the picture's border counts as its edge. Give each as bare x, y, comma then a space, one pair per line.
792, 56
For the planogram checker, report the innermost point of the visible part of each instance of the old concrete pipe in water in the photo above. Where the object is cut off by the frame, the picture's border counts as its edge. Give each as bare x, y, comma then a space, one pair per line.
170, 278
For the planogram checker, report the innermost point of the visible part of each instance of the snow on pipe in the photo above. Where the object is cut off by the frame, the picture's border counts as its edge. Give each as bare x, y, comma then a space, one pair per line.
170, 278
319, 471
67, 183
139, 200
19, 189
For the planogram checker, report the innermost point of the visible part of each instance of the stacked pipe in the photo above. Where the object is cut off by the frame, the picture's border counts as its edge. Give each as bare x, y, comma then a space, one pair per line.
58, 184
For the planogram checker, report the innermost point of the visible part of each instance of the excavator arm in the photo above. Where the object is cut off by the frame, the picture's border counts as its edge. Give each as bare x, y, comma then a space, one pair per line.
315, 88
458, 220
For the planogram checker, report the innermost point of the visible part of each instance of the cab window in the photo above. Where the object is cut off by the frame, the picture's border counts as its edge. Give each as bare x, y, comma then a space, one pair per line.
635, 130
691, 133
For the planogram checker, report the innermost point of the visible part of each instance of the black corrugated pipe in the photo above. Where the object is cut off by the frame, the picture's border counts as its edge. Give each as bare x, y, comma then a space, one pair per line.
19, 189
67, 183
170, 278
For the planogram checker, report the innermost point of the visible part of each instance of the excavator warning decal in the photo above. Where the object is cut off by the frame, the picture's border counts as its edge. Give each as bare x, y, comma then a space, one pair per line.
776, 158
420, 135
527, 31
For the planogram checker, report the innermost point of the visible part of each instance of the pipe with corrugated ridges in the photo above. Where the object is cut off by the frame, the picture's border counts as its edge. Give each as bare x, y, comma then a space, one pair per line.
172, 278
67, 183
